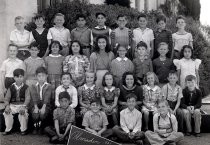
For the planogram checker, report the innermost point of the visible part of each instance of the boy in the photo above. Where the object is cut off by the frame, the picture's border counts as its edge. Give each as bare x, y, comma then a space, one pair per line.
63, 118
16, 101
180, 38
144, 34
95, 121
122, 36
21, 37
191, 104
165, 127
82, 34
130, 123
162, 65
172, 92
66, 80
41, 95
9, 65
100, 29
32, 63
162, 35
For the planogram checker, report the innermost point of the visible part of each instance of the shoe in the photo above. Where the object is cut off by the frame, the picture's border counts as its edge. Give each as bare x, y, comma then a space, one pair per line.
197, 135
6, 133
53, 139
23, 132
188, 133
139, 142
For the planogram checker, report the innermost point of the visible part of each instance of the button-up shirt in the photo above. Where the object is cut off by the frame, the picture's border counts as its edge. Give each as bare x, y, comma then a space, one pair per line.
40, 88
172, 94
131, 120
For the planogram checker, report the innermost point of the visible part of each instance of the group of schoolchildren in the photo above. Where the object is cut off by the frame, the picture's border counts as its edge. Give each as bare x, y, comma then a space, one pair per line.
120, 77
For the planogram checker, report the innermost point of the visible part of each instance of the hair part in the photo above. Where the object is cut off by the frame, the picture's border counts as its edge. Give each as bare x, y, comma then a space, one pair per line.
125, 75
71, 51
183, 49
190, 78
104, 79
18, 72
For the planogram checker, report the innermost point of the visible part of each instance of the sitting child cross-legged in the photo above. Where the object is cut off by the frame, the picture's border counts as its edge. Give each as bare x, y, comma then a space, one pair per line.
165, 126
63, 116
130, 123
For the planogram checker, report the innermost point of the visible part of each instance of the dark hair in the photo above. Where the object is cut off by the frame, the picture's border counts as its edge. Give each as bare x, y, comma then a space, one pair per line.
64, 94
192, 51
141, 44
12, 45
18, 72
180, 17
107, 48
70, 49
131, 95
34, 44
142, 15
66, 73
100, 13
162, 43
80, 16
103, 80
97, 101
172, 72
121, 15
41, 70
190, 78
125, 75
54, 42
38, 16
161, 18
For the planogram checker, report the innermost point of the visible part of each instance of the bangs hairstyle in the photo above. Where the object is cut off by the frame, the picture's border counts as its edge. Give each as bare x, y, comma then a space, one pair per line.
180, 17
104, 82
80, 50
34, 44
100, 13
161, 18
192, 51
41, 70
90, 72
18, 72
39, 16
131, 95
54, 43
141, 44
162, 43
190, 78
142, 15
107, 48
155, 76
66, 73
172, 72
124, 78
80, 16
12, 45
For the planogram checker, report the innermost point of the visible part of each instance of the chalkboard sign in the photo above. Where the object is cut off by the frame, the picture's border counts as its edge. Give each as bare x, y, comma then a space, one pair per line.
80, 136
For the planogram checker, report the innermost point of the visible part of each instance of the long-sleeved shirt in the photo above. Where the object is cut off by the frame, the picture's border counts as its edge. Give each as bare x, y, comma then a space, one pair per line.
191, 98
72, 92
163, 124
130, 120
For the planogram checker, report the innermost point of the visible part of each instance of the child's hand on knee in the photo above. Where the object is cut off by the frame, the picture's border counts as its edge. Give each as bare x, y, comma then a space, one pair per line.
22, 110
42, 111
7, 109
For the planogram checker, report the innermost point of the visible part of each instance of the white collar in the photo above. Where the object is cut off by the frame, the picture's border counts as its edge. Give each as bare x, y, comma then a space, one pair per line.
120, 59
45, 83
35, 58
91, 88
104, 27
153, 89
18, 87
11, 59
18, 31
55, 55
59, 29
142, 30
106, 89
129, 111
167, 115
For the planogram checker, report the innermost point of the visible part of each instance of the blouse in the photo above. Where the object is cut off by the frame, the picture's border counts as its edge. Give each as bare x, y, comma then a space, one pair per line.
110, 94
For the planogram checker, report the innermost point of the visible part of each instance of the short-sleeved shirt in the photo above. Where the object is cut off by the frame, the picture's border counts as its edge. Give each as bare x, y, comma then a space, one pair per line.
172, 94
64, 116
62, 35
9, 65
81, 35
110, 94
21, 38
181, 39
143, 35
95, 121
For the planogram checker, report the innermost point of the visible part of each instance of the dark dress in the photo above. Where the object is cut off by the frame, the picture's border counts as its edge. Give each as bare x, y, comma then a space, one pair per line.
42, 40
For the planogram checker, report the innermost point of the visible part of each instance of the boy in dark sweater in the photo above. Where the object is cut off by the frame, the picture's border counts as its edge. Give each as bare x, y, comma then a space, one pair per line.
191, 104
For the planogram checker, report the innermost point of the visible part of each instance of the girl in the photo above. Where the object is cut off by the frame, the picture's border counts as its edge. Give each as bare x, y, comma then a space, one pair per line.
129, 85
54, 64
151, 93
101, 58
109, 97
187, 65
142, 64
76, 64
60, 33
121, 64
40, 34
88, 92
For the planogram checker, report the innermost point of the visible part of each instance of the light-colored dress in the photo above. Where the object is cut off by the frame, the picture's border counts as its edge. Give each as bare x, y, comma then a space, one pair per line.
187, 67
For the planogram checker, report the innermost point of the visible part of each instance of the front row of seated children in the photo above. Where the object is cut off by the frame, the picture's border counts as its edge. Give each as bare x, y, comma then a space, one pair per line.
37, 101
